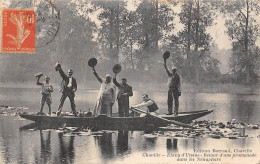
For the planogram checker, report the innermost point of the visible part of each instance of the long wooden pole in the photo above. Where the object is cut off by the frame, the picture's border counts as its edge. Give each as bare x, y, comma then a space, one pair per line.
164, 119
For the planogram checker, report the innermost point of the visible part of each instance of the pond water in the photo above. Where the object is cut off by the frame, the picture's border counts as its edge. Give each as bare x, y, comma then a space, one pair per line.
18, 145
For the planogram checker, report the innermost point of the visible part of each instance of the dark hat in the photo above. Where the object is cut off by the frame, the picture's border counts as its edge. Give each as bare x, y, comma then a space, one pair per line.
92, 62
38, 74
166, 55
117, 68
124, 79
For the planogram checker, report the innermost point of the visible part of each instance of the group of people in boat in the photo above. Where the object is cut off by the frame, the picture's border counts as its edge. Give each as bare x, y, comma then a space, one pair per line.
107, 94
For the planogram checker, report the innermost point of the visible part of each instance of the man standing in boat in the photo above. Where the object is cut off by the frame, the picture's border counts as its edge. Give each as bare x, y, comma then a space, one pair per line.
174, 89
46, 92
150, 104
124, 92
68, 89
106, 96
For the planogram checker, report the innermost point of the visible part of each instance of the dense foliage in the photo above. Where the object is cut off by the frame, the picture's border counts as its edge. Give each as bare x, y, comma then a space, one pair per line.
137, 36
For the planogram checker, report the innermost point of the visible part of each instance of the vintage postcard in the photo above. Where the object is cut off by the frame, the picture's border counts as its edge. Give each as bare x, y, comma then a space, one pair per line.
130, 81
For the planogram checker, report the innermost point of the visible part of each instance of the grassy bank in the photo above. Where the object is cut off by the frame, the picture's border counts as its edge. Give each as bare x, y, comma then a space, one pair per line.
152, 86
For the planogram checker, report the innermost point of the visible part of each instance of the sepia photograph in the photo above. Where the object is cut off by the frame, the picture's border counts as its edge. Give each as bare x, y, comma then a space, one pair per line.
130, 81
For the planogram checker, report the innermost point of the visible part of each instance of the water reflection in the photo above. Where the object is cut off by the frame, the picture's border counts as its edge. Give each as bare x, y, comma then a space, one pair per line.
105, 145
45, 147
30, 145
192, 143
122, 143
28, 126
245, 110
66, 151
171, 144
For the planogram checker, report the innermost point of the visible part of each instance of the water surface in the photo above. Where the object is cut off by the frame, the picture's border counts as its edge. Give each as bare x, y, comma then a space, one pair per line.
18, 145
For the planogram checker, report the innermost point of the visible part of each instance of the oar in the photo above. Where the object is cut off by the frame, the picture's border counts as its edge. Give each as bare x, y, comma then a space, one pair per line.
164, 119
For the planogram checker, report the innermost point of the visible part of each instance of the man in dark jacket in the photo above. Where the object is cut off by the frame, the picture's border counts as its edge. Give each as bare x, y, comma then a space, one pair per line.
174, 89
68, 89
124, 92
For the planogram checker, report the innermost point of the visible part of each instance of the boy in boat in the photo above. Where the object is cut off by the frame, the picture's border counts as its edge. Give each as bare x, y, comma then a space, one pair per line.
106, 96
124, 92
68, 89
46, 92
174, 89
150, 104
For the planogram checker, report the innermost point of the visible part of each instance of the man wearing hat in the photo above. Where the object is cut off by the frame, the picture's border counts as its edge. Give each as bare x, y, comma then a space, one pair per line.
124, 92
46, 92
174, 89
68, 89
106, 96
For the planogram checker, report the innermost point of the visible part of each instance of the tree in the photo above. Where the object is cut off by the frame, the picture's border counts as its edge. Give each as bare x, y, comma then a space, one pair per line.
196, 16
129, 40
109, 35
154, 21
243, 32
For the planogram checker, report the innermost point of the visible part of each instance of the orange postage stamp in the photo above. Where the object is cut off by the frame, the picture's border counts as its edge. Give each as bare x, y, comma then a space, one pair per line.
18, 31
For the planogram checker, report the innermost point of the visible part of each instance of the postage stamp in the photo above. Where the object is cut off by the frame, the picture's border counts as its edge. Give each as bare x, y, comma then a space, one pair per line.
18, 31
47, 19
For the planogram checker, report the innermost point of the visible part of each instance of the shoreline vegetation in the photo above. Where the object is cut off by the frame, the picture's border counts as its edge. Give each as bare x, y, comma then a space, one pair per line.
156, 87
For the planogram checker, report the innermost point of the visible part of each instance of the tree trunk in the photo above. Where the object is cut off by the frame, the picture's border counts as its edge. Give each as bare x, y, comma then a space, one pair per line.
156, 26
197, 68
146, 49
189, 30
189, 62
111, 32
117, 34
248, 78
131, 55
197, 41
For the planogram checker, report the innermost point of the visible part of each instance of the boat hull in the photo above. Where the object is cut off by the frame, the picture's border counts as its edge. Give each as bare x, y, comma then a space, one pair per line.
102, 122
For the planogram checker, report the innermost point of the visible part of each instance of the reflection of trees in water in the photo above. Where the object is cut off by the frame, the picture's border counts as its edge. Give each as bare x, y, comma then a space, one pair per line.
245, 110
45, 147
67, 153
122, 142
193, 102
